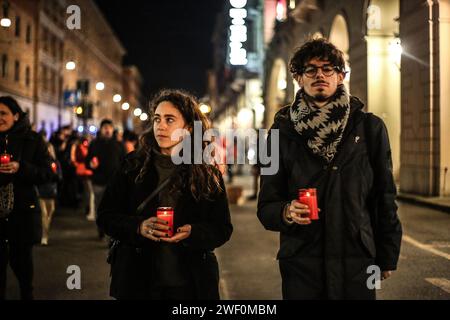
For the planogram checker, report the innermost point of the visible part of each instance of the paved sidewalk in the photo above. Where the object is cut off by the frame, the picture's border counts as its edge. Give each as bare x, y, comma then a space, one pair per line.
437, 203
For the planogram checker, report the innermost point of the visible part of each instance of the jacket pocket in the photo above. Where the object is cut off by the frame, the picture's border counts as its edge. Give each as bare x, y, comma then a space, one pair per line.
305, 242
131, 273
205, 274
368, 241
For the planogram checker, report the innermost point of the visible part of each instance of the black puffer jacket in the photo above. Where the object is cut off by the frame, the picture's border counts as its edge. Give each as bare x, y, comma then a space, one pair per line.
134, 259
29, 149
358, 224
110, 154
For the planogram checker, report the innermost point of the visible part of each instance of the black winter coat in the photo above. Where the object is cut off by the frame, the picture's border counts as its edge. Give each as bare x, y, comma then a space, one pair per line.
29, 149
358, 224
131, 269
110, 153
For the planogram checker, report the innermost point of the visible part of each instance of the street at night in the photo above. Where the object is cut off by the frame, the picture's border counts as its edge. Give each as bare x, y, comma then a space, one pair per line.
249, 270
236, 150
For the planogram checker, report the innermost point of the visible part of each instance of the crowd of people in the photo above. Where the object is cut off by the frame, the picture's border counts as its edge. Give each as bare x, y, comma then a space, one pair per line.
38, 173
327, 144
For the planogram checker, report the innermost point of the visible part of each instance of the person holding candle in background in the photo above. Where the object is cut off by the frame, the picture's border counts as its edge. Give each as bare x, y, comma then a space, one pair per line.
104, 156
341, 156
148, 262
25, 163
48, 192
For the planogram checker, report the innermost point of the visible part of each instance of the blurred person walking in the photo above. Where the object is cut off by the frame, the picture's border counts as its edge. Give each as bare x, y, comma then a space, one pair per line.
62, 141
78, 155
130, 141
104, 157
25, 163
48, 192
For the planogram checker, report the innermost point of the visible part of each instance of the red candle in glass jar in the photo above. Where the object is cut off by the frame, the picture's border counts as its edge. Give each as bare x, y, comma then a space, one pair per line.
95, 161
309, 197
5, 158
54, 167
166, 214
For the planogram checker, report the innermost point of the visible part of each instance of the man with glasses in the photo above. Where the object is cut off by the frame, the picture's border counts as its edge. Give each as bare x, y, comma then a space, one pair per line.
329, 143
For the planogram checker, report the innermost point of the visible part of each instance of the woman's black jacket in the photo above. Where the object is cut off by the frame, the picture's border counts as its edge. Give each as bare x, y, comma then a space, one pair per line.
132, 266
23, 224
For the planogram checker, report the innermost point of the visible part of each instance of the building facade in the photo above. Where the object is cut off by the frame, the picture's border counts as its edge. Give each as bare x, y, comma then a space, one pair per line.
132, 84
18, 75
235, 84
395, 53
44, 60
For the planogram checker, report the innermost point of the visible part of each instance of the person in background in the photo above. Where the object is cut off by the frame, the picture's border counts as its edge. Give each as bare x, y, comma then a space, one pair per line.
130, 141
104, 157
78, 156
48, 193
24, 163
62, 141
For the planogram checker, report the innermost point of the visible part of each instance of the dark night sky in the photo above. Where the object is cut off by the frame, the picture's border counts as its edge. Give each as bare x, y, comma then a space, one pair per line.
169, 40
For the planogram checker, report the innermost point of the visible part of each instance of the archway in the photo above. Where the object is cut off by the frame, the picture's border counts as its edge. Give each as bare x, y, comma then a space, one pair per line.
383, 70
339, 36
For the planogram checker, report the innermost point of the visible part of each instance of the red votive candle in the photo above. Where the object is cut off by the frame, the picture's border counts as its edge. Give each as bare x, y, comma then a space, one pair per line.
54, 167
309, 197
5, 158
166, 214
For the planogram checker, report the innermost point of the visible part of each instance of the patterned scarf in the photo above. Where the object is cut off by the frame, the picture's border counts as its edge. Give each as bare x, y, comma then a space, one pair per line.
322, 127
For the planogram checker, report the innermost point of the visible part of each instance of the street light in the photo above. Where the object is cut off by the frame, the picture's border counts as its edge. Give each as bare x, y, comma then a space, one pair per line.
100, 86
71, 65
79, 110
144, 117
125, 106
137, 112
117, 98
204, 108
5, 21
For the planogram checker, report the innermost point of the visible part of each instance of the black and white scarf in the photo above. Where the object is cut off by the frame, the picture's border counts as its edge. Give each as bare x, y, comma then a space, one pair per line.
322, 127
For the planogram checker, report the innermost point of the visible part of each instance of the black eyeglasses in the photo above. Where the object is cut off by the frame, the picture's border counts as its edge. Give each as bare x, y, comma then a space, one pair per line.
327, 70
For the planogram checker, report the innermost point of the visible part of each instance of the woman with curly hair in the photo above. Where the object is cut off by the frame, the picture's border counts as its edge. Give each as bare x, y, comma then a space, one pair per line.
149, 262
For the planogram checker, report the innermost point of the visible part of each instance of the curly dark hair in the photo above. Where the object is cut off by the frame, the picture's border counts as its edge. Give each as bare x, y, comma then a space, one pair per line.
319, 48
203, 180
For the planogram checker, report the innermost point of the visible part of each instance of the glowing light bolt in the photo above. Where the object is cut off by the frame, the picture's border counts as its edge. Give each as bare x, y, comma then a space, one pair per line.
5, 22
100, 86
238, 33
71, 65
143, 117
117, 98
137, 112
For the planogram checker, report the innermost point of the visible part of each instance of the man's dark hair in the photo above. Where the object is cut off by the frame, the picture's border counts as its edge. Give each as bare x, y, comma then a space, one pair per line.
317, 48
106, 122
